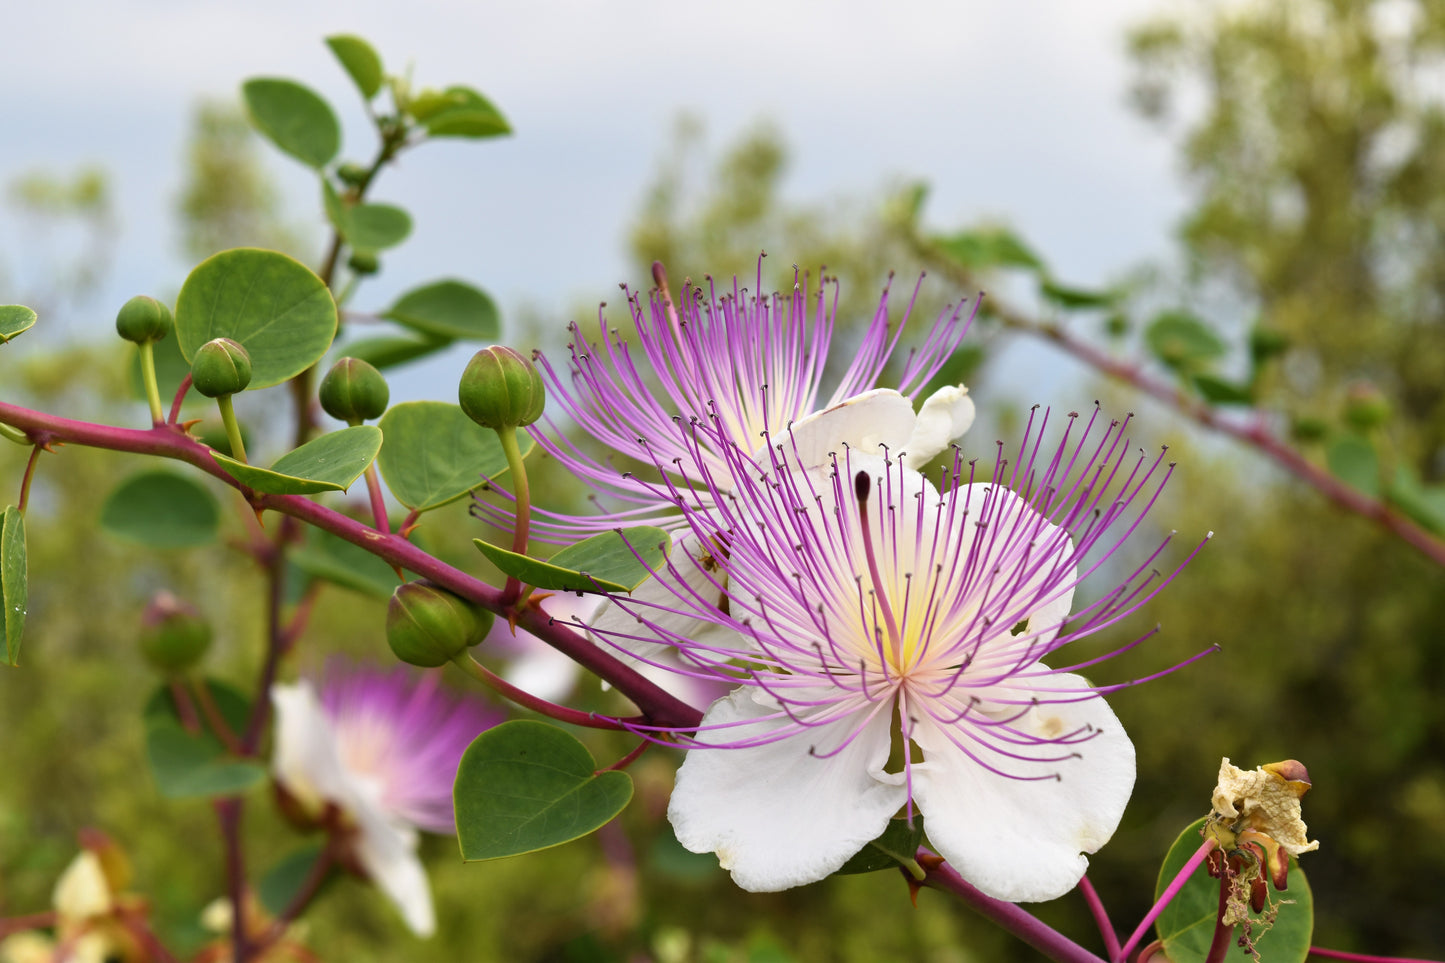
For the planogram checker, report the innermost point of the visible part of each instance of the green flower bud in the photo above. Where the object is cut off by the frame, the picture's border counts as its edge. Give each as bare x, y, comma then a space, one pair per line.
351, 174
502, 389
173, 636
428, 626
1365, 406
363, 263
1266, 343
354, 391
220, 367
143, 319
1116, 325
1307, 428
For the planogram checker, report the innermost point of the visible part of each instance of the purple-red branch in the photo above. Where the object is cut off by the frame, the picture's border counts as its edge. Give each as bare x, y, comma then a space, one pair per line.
168, 441
1101, 918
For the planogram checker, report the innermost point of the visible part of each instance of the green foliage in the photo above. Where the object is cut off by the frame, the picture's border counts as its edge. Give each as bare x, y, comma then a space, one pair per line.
15, 319
360, 60
1353, 459
349, 566
294, 118
189, 762
273, 306
328, 463
616, 561
14, 585
895, 846
434, 454
161, 509
447, 309
1182, 341
985, 248
1187, 924
459, 112
390, 351
524, 786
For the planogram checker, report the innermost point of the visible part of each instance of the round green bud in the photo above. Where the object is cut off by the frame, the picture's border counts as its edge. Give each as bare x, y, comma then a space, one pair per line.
220, 367
354, 391
143, 319
173, 636
1365, 406
502, 389
363, 263
1116, 325
1308, 428
428, 626
351, 174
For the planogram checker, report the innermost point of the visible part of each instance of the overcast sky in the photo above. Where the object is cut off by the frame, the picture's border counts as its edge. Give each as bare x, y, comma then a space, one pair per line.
1010, 109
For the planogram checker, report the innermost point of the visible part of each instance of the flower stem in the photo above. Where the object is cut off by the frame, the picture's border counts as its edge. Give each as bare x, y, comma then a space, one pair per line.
1363, 958
29, 477
233, 430
148, 375
1222, 933
1101, 918
523, 698
228, 811
1170, 891
378, 501
1012, 917
184, 387
522, 491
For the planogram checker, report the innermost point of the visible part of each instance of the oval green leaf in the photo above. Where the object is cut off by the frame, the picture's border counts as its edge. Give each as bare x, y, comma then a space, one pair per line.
329, 463
434, 454
294, 118
281, 313
375, 227
15, 319
616, 561
1353, 460
390, 351
160, 509
283, 881
1424, 503
524, 786
1187, 924
459, 112
360, 60
335, 559
14, 586
187, 764
1181, 340
447, 309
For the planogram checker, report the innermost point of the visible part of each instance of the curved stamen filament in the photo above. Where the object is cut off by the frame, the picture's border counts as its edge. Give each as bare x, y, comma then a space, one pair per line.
862, 485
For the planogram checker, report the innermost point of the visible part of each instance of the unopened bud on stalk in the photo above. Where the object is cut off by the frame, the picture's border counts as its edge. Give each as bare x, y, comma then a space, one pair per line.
143, 320
502, 389
220, 367
363, 263
354, 391
428, 626
351, 174
1366, 406
173, 636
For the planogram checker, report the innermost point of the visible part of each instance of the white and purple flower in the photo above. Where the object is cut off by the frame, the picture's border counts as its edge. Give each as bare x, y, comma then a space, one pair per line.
377, 751
886, 641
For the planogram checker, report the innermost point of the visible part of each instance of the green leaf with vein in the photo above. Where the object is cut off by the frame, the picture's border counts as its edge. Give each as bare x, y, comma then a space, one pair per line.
388, 351
280, 312
1220, 391
14, 585
294, 118
1353, 460
1181, 340
617, 561
360, 60
896, 846
989, 247
447, 309
434, 454
376, 227
189, 764
15, 319
1074, 298
1187, 924
524, 786
160, 509
324, 555
329, 463
459, 112
1424, 503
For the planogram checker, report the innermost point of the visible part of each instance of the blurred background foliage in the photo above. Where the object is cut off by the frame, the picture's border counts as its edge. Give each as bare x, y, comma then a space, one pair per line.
1312, 133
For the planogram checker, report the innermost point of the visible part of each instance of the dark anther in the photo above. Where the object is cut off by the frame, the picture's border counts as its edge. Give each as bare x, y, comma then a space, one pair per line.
862, 484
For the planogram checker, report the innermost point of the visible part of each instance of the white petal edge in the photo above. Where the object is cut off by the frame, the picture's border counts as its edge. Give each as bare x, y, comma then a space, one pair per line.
946, 415
306, 759
776, 815
387, 851
867, 423
1023, 841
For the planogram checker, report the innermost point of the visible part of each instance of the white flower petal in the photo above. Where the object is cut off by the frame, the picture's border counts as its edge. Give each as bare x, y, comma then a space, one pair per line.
82, 890
881, 417
946, 414
776, 815
386, 849
307, 759
1022, 840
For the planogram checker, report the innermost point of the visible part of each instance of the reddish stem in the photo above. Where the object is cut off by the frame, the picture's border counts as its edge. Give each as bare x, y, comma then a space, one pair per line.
1170, 891
214, 718
185, 708
228, 811
1101, 918
33, 921
630, 758
524, 698
29, 474
1363, 958
1010, 916
661, 708
1223, 935
180, 397
378, 501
